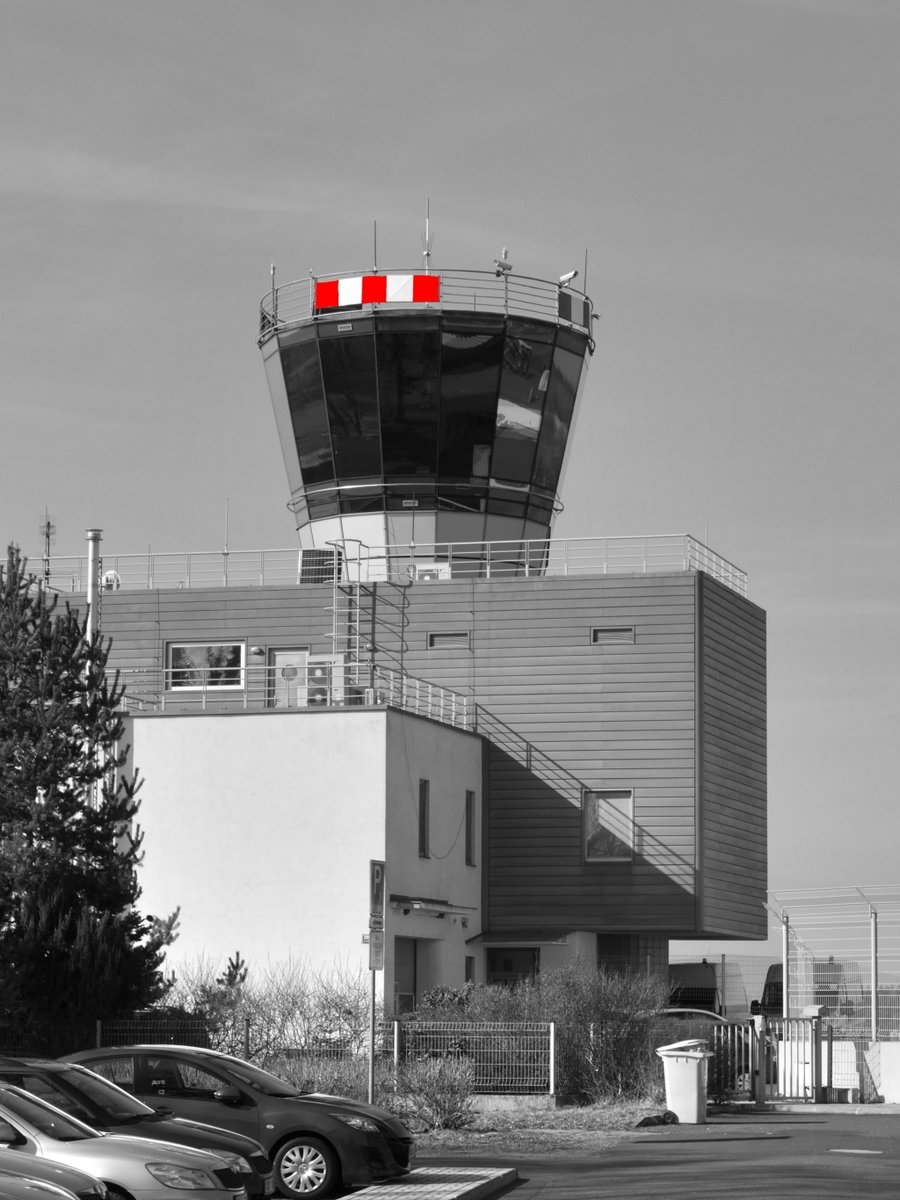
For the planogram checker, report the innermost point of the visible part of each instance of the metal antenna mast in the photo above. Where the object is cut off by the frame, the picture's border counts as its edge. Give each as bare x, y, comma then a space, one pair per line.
47, 530
427, 239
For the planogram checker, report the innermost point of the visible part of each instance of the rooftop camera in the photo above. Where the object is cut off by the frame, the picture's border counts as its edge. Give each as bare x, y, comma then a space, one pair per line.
565, 280
502, 265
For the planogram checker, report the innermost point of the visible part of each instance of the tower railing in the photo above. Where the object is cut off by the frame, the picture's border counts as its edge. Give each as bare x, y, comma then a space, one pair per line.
406, 563
479, 291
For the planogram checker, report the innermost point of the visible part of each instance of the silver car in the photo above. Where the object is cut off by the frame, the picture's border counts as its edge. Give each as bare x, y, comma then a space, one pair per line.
84, 1186
141, 1168
20, 1187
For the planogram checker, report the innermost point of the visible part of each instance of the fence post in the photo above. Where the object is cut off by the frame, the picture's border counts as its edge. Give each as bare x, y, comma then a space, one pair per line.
552, 1058
396, 1053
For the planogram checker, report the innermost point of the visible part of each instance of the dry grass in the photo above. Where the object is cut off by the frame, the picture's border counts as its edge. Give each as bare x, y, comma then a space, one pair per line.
575, 1132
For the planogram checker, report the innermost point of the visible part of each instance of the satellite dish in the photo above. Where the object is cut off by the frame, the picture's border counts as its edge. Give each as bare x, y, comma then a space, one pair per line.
111, 581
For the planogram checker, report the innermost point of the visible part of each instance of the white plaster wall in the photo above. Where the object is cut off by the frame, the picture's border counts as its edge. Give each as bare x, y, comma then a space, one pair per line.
452, 763
261, 827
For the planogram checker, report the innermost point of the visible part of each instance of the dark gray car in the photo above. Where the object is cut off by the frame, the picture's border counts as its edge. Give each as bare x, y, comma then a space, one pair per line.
105, 1107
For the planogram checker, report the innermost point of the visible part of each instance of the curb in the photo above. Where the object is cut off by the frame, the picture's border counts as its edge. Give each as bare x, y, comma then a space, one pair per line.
443, 1183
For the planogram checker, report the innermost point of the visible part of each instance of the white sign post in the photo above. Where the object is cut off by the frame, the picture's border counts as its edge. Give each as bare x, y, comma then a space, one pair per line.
376, 954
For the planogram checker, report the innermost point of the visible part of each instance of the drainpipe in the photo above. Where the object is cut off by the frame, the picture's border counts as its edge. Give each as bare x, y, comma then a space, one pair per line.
93, 582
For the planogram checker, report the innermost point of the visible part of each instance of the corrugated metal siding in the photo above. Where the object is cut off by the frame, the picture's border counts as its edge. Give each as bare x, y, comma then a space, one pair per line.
732, 716
564, 714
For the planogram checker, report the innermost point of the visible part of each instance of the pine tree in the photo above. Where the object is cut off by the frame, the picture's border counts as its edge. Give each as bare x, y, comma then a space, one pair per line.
73, 946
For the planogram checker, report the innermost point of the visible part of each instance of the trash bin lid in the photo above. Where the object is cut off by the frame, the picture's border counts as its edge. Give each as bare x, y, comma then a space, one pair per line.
690, 1046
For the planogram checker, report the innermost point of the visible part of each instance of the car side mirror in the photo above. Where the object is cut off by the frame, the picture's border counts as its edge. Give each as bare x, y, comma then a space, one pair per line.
228, 1094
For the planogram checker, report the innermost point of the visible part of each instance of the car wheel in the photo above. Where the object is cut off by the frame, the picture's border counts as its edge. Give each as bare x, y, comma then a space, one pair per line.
306, 1166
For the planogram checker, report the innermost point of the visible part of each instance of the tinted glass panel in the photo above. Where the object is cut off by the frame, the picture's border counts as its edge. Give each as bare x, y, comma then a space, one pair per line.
309, 418
523, 390
348, 370
409, 363
557, 416
470, 377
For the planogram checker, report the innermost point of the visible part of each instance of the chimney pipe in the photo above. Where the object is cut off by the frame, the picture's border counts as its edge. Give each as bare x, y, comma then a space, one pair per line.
93, 582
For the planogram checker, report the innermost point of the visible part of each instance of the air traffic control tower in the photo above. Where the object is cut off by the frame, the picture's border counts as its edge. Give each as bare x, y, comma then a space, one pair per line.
424, 416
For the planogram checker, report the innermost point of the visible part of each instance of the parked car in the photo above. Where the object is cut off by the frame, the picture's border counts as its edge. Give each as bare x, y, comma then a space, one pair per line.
79, 1183
92, 1099
22, 1187
315, 1142
139, 1168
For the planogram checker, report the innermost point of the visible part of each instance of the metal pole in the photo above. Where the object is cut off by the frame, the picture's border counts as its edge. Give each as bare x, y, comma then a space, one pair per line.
873, 918
785, 964
552, 1058
372, 1037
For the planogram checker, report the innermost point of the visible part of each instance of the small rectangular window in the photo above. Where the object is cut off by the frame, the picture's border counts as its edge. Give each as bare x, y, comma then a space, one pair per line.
203, 666
449, 640
470, 968
470, 829
423, 819
608, 820
612, 635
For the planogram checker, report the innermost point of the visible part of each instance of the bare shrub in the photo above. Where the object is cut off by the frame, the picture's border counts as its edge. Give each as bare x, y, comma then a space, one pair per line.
436, 1093
284, 1008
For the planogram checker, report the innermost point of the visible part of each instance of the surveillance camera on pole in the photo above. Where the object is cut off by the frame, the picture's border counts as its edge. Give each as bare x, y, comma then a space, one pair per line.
502, 265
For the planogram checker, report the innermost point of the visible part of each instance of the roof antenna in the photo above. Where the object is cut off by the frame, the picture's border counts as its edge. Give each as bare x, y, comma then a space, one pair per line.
427, 239
374, 246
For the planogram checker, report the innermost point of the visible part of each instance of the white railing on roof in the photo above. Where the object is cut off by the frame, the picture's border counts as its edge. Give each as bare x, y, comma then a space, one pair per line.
512, 560
251, 688
479, 291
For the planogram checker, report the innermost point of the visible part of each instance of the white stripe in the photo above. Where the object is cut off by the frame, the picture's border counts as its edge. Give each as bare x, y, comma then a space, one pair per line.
399, 287
350, 290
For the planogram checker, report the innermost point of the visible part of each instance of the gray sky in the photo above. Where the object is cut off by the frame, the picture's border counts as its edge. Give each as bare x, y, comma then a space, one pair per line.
731, 168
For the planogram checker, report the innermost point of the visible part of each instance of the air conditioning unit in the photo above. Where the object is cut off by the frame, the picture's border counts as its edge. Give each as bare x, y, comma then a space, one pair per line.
318, 685
325, 684
427, 572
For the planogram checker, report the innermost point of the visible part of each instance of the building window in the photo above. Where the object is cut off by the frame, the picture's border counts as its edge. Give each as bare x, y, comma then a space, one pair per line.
470, 829
612, 635
204, 665
423, 819
449, 640
470, 968
608, 826
509, 964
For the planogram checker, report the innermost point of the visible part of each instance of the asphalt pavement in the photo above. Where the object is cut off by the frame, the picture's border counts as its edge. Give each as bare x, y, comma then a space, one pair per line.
830, 1152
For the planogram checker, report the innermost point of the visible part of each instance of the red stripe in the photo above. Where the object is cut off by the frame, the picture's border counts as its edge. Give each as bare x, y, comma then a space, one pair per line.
374, 289
327, 294
426, 289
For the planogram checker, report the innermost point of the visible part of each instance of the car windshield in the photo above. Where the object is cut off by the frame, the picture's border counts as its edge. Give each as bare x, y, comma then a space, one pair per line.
44, 1117
115, 1103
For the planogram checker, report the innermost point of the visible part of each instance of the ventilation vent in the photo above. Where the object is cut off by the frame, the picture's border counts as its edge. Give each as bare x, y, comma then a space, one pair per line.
612, 635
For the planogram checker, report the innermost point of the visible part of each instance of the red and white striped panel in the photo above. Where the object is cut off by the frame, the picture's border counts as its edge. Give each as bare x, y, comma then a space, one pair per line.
378, 289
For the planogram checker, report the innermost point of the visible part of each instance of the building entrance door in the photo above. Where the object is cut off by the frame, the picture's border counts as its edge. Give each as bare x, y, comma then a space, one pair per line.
286, 675
404, 975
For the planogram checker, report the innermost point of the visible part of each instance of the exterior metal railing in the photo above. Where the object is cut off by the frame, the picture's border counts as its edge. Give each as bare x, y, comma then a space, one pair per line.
639, 555
255, 689
481, 291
